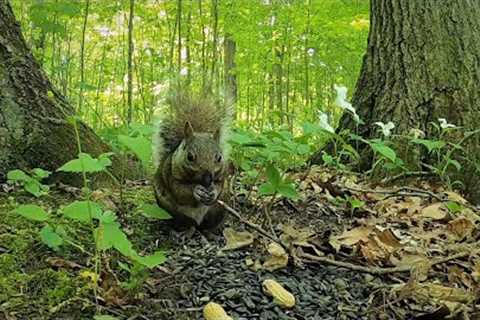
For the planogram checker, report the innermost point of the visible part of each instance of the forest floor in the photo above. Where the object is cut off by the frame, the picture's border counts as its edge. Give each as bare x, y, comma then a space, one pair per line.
346, 249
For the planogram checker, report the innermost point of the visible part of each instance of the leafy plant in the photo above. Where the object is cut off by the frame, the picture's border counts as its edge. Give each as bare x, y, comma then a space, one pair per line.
30, 182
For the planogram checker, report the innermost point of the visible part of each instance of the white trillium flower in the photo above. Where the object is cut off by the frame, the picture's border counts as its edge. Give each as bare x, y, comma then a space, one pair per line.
444, 124
341, 101
323, 122
386, 128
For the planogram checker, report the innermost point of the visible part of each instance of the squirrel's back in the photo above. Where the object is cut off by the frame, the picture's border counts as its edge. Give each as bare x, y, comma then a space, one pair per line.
205, 115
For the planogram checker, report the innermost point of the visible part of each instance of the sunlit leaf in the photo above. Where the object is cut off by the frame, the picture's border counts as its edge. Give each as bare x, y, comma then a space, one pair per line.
140, 146
50, 237
82, 211
32, 212
154, 211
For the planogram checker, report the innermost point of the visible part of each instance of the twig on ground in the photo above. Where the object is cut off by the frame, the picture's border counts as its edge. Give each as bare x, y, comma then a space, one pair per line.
377, 270
254, 226
401, 192
407, 175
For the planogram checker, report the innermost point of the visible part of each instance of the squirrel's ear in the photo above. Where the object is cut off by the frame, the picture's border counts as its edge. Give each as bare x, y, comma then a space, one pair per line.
216, 135
188, 131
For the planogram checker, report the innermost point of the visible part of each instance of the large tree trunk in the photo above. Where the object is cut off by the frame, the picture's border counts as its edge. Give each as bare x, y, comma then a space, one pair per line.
33, 127
422, 63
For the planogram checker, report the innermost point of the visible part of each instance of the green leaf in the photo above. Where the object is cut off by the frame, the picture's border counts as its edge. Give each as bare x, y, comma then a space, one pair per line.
455, 163
154, 211
267, 189
82, 211
109, 235
288, 190
140, 146
240, 138
454, 207
50, 237
107, 217
104, 159
87, 86
18, 175
355, 203
104, 317
33, 186
303, 149
384, 150
40, 173
430, 144
273, 175
151, 261
84, 163
32, 212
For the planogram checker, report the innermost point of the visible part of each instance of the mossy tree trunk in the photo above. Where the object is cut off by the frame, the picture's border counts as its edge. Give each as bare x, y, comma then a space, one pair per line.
422, 64
33, 127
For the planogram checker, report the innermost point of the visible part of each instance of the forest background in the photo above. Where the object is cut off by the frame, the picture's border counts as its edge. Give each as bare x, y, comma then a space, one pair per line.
279, 59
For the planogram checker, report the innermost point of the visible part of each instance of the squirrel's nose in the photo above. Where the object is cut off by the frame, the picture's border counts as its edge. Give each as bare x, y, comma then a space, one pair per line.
207, 179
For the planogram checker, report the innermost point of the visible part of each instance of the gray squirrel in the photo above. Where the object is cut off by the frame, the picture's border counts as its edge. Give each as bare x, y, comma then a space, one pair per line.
190, 156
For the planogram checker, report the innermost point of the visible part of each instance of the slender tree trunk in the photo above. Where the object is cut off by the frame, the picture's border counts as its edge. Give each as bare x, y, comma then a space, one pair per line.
82, 57
130, 63
179, 39
214, 43
230, 77
34, 131
422, 64
204, 44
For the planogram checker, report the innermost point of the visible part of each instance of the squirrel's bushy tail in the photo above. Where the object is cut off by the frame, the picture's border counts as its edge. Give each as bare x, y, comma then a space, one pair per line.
205, 114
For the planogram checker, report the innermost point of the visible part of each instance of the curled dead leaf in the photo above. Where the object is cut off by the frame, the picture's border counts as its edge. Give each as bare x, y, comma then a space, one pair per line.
237, 239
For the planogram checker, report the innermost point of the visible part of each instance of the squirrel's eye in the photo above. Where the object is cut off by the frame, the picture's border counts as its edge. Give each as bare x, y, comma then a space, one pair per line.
190, 156
218, 157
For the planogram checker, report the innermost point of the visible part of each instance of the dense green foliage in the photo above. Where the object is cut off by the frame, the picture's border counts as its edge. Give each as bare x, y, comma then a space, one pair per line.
289, 54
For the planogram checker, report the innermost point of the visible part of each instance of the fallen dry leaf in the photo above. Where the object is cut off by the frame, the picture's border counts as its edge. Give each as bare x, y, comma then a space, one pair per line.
453, 196
62, 263
428, 291
237, 239
436, 211
476, 271
460, 228
351, 237
420, 266
388, 238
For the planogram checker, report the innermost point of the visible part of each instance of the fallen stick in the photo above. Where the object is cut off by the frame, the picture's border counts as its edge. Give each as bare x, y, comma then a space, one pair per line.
378, 270
254, 226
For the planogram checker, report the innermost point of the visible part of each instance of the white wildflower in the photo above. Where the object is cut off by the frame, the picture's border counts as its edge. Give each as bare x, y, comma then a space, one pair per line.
183, 71
310, 52
444, 124
341, 101
323, 122
183, 53
386, 128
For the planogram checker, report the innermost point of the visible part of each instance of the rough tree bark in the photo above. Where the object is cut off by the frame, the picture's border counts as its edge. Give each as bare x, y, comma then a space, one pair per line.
422, 63
33, 127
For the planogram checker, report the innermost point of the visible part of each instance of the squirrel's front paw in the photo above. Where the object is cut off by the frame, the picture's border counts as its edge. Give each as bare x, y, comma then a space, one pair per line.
205, 196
